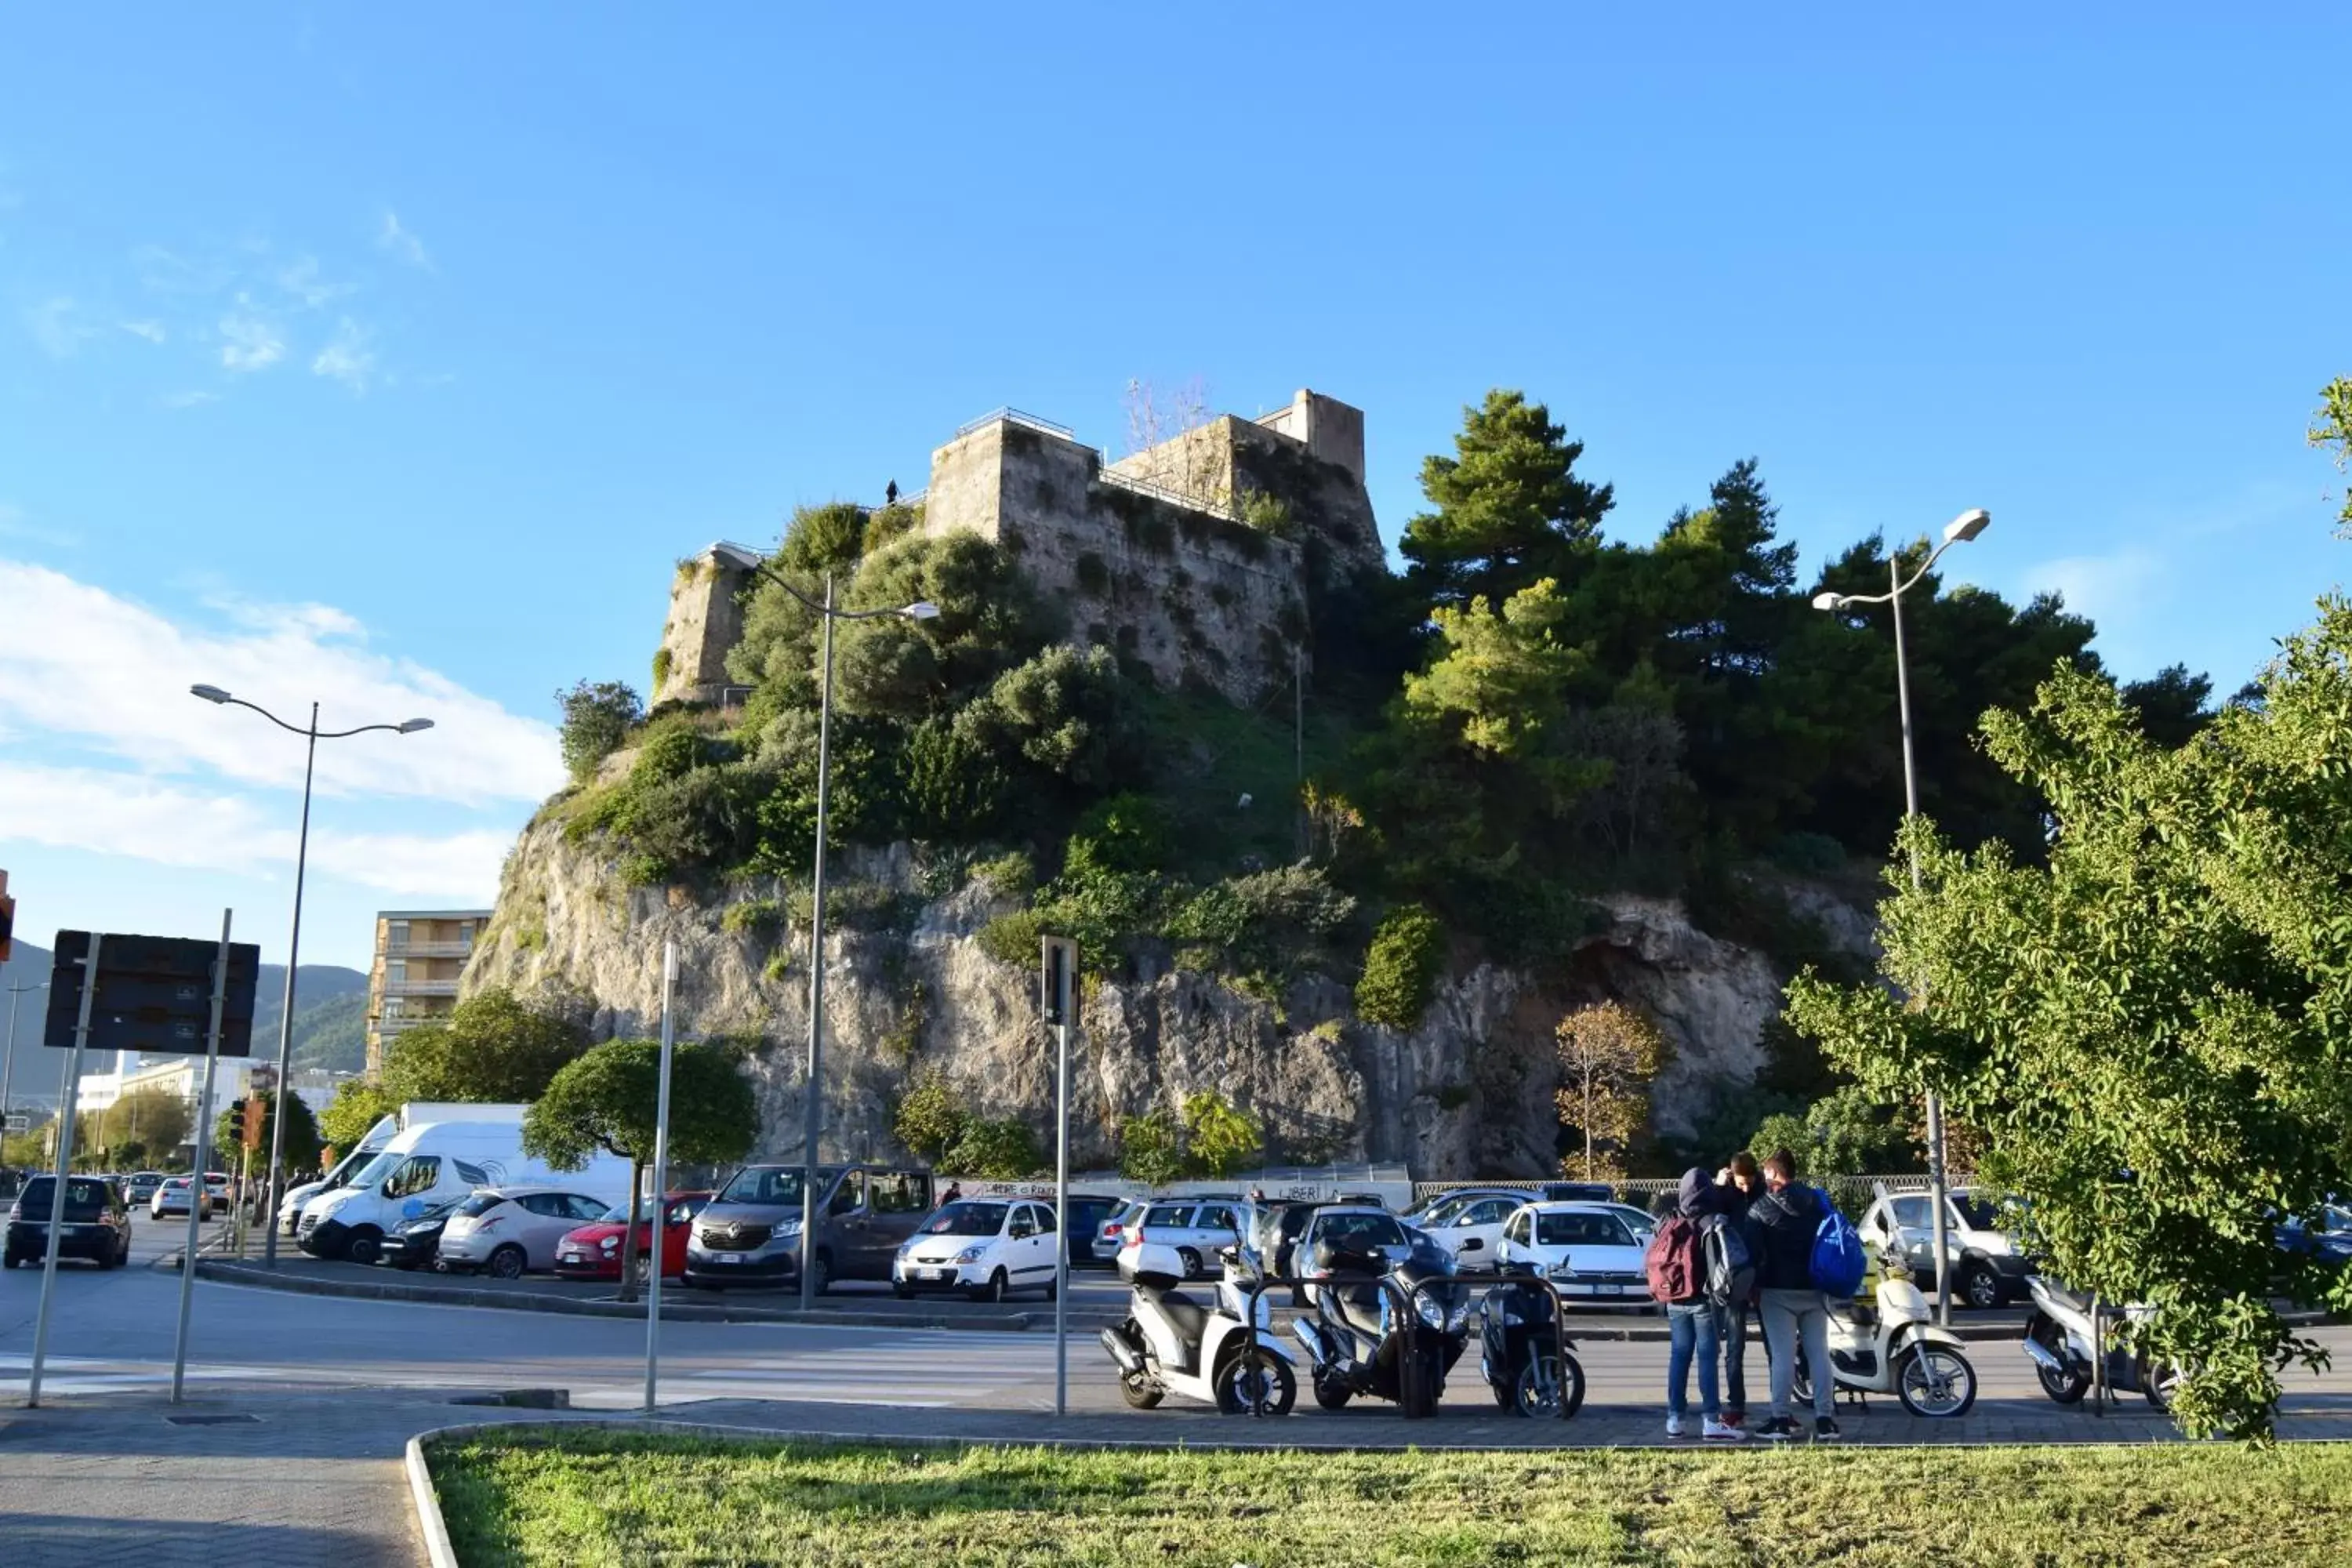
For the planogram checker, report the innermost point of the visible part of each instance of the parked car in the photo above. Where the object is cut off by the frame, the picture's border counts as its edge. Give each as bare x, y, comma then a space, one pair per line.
427, 1164
1195, 1230
986, 1248
1589, 1250
503, 1231
1469, 1232
413, 1243
751, 1233
1089, 1214
594, 1251
1985, 1266
94, 1228
140, 1186
1347, 1228
1111, 1234
170, 1197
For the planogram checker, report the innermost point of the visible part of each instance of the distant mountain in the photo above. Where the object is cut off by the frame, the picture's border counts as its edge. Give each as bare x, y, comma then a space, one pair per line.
330, 1009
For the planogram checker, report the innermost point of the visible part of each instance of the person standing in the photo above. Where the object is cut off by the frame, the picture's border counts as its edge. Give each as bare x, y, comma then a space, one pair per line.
1793, 1312
1678, 1279
1741, 1183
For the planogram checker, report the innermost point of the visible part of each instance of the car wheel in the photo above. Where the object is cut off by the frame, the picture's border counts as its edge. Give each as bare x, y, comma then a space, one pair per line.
7, 1260
1936, 1381
1980, 1288
1139, 1392
507, 1263
1331, 1395
2156, 1384
821, 1273
999, 1286
901, 1290
1190, 1260
644, 1269
1254, 1383
363, 1244
1053, 1289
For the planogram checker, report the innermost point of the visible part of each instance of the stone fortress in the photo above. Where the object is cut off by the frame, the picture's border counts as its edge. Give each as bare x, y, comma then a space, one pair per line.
1194, 559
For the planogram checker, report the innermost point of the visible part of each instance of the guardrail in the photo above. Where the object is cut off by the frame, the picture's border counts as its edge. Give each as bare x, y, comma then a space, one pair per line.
1009, 415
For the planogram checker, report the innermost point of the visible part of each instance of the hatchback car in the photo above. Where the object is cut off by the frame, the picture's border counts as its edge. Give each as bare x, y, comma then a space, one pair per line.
170, 1197
986, 1248
503, 1231
1350, 1226
414, 1243
594, 1251
1111, 1235
1195, 1230
140, 1185
1471, 1229
1985, 1267
1590, 1251
95, 1226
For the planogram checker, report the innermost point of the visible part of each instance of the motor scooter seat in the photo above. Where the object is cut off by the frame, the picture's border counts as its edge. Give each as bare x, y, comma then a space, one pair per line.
1860, 1316
1190, 1317
1359, 1306
2067, 1300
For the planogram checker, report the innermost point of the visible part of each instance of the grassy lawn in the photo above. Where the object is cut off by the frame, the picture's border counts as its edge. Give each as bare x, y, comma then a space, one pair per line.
556, 1495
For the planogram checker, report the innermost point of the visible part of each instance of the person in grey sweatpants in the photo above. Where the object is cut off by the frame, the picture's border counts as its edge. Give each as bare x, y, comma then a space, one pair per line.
1740, 1187
1791, 1309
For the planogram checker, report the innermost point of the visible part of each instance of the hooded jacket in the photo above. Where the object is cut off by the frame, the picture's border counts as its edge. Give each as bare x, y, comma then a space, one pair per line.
1786, 1220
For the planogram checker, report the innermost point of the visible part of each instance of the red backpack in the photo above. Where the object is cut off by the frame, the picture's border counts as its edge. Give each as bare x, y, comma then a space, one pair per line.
1673, 1263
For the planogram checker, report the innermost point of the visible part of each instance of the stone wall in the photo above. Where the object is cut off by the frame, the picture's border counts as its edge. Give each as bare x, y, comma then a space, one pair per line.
706, 619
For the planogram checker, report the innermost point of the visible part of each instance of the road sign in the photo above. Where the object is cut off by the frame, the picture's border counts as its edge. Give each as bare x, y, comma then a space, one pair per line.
154, 994
7, 918
1058, 979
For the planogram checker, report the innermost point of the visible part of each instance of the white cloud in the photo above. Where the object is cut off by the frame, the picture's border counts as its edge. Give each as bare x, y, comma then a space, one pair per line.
108, 675
58, 325
302, 280
347, 358
189, 399
250, 342
149, 819
400, 242
152, 330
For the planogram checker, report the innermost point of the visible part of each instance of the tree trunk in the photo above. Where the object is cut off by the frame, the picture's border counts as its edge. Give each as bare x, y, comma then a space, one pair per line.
1588, 1123
629, 1236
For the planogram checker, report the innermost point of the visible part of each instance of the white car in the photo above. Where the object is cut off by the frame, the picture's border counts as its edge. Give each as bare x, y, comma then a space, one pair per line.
1471, 1228
986, 1248
502, 1231
170, 1197
1986, 1269
1590, 1250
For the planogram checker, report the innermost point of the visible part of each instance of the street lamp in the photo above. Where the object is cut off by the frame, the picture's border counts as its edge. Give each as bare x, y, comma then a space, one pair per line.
1960, 530
313, 735
8, 1063
812, 1111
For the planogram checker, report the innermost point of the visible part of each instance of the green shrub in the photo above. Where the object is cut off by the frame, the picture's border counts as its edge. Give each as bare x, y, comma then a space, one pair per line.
596, 717
930, 1119
1152, 1149
1008, 876
951, 788
823, 538
1013, 938
1218, 1138
889, 525
661, 669
759, 917
996, 1149
670, 752
1401, 969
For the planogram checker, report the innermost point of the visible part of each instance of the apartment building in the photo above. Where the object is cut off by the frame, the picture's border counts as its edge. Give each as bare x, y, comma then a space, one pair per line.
419, 953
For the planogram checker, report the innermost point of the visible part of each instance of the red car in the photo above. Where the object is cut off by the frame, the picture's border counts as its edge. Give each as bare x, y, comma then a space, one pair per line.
594, 1251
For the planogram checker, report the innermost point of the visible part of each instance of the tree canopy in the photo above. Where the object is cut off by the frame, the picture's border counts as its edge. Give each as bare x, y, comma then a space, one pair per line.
493, 1049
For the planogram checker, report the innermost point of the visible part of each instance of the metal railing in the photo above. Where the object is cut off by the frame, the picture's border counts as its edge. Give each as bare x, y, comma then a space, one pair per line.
1157, 492
426, 950
420, 987
1009, 415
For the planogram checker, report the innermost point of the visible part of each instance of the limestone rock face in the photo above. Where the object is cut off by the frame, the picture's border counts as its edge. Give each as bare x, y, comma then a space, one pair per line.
1468, 1092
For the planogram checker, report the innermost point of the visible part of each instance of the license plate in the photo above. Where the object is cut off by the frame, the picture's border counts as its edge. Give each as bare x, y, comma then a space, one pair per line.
725, 1257
575, 1258
1609, 1289
938, 1273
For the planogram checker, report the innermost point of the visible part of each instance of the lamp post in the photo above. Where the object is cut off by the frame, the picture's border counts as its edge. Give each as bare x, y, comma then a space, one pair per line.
812, 1110
311, 736
1960, 530
8, 1063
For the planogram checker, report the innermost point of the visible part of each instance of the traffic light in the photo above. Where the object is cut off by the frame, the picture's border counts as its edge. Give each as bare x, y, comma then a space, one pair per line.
250, 1118
7, 918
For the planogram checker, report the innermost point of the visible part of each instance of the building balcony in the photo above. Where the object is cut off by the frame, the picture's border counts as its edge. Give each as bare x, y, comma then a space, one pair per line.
400, 1024
420, 987
426, 950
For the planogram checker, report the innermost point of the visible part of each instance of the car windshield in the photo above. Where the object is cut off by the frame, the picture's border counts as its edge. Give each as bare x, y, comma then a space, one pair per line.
617, 1215
966, 1219
1363, 1229
1978, 1214
772, 1184
479, 1204
82, 1196
1581, 1230
376, 1169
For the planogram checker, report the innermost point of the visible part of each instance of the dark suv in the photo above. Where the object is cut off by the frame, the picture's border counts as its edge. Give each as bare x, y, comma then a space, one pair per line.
96, 1227
751, 1233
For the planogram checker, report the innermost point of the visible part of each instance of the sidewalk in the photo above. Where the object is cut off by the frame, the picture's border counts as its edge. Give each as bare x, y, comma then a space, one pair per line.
301, 1479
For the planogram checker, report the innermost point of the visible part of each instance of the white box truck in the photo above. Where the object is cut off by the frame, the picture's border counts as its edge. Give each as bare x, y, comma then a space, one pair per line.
428, 1165
415, 1113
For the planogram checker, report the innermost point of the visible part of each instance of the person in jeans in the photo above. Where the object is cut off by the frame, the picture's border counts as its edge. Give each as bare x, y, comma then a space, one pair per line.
1786, 1217
1691, 1324
1737, 1189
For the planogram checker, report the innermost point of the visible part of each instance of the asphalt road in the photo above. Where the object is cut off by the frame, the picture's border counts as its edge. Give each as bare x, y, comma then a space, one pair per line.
113, 1330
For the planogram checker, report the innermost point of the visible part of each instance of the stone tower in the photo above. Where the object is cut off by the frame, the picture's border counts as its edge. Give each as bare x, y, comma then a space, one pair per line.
706, 619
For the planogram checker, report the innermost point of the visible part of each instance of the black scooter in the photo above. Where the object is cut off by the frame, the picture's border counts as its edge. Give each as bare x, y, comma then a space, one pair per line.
1381, 1329
1531, 1370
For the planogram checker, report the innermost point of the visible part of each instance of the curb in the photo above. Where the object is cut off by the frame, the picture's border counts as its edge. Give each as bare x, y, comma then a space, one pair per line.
529, 1301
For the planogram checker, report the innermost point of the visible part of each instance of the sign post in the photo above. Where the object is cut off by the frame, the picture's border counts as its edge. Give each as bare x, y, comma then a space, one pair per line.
661, 1183
199, 1195
65, 1160
1057, 996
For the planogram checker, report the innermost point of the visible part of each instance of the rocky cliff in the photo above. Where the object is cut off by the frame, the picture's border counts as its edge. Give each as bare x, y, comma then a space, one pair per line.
909, 988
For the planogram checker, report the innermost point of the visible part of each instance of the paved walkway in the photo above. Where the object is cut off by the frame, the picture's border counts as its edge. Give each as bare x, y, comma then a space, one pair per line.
293, 1480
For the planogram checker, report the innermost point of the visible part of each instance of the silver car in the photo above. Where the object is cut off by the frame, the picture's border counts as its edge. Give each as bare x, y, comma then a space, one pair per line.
502, 1231
1111, 1235
1197, 1229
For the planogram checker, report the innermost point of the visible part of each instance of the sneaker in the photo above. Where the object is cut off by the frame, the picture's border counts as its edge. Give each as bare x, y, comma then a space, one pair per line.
1824, 1429
1736, 1418
1674, 1425
1722, 1431
1779, 1429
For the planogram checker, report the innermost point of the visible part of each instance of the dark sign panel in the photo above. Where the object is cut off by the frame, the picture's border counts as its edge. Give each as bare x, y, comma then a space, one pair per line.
154, 994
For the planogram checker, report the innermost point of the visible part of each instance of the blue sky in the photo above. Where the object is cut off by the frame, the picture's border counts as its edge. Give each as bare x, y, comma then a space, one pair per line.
390, 358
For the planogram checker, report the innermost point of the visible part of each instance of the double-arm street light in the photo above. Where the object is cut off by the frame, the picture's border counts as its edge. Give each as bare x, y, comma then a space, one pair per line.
812, 1111
313, 735
1960, 530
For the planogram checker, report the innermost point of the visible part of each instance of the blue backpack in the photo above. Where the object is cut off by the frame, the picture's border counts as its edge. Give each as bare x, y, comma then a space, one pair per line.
1837, 1266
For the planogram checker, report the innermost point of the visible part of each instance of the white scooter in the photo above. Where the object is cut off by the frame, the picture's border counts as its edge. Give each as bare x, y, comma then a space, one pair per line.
1896, 1348
1172, 1343
2058, 1338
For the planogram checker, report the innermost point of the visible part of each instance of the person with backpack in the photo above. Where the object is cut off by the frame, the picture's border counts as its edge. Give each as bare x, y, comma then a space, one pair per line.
1675, 1264
1739, 1184
1805, 1242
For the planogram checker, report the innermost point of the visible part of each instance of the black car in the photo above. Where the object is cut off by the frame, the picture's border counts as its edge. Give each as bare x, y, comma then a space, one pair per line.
1088, 1215
96, 1225
414, 1243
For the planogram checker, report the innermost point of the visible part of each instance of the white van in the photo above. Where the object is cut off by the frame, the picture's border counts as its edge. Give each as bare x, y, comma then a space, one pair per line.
431, 1164
415, 1113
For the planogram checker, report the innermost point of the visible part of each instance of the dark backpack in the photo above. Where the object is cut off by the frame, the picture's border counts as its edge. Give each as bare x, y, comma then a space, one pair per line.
1672, 1262
1730, 1264
1837, 1265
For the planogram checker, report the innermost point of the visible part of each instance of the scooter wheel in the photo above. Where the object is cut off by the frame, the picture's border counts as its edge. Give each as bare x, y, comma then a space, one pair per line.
1542, 1394
2062, 1387
1937, 1382
1250, 1380
1139, 1392
1331, 1395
